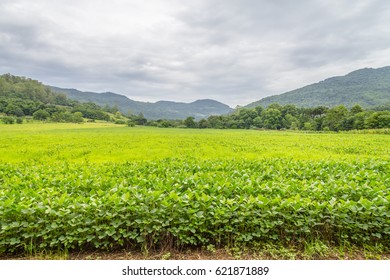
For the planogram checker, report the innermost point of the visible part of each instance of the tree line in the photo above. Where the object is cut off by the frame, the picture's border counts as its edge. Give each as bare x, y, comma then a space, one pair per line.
277, 117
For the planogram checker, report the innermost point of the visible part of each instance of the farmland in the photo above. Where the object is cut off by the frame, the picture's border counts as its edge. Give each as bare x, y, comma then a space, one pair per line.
102, 186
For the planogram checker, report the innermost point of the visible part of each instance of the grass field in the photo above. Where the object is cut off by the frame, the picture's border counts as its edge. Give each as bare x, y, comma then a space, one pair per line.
80, 187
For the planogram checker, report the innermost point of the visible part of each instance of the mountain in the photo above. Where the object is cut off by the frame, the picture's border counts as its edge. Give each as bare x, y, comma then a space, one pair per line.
367, 87
158, 110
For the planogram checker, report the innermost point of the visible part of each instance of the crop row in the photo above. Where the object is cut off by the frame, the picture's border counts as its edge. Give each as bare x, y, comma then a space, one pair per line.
173, 203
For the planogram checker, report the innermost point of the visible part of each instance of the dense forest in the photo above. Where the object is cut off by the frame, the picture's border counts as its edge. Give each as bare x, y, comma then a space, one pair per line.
22, 97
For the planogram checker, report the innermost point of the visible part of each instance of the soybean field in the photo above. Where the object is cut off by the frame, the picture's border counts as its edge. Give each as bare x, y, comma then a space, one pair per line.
80, 187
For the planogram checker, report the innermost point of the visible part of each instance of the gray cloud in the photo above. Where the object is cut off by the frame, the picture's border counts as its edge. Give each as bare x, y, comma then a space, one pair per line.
235, 51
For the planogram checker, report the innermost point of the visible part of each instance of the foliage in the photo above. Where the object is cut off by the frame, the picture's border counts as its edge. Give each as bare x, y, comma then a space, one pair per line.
41, 115
190, 122
99, 186
320, 118
130, 123
198, 203
21, 97
8, 120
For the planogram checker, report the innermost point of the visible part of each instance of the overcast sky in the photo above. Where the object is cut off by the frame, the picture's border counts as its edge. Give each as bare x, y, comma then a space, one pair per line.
234, 51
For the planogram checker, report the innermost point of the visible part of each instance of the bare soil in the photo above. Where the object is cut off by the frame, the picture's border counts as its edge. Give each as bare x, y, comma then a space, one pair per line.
203, 254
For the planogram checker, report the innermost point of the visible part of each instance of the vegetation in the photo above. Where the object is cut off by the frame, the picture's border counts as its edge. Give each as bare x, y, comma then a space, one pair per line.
72, 187
21, 97
122, 184
278, 117
367, 87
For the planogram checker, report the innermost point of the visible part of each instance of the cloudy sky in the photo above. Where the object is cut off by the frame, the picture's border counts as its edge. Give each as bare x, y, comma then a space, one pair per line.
234, 51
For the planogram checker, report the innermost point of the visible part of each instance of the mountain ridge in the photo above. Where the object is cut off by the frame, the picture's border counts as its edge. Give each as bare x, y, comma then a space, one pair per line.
162, 109
367, 87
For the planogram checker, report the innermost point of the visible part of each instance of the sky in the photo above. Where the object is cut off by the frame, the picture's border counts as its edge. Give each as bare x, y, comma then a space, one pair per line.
233, 51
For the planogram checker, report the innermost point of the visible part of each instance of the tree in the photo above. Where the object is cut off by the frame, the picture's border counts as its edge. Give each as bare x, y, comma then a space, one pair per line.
258, 122
272, 118
14, 110
57, 117
359, 120
215, 121
290, 122
384, 120
318, 123
60, 99
379, 120
347, 122
77, 117
356, 109
130, 123
307, 126
41, 115
165, 123
335, 118
291, 110
140, 119
118, 115
275, 106
259, 109
319, 111
246, 117
203, 123
190, 122
67, 116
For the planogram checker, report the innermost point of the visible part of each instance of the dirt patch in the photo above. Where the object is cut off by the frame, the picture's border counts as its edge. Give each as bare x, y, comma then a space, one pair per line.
217, 254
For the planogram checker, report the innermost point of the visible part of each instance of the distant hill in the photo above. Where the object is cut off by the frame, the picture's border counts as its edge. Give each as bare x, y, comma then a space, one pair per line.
22, 97
158, 110
367, 87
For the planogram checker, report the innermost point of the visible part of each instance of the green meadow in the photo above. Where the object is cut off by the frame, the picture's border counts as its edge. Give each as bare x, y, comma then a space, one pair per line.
95, 186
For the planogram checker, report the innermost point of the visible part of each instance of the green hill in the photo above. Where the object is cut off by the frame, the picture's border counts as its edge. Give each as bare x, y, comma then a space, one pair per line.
367, 87
22, 97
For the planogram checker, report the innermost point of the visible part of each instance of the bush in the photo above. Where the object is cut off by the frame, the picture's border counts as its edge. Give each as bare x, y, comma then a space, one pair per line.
77, 117
130, 123
41, 115
8, 120
120, 122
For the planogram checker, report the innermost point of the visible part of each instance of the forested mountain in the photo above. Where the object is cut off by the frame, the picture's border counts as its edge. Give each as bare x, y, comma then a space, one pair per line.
158, 110
20, 97
367, 87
